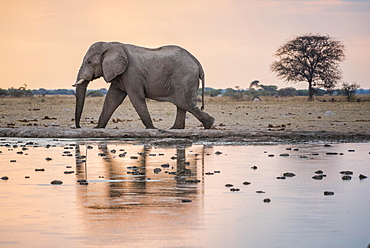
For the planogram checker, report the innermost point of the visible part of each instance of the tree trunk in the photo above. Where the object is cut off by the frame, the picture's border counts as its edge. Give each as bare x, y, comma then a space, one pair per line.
310, 92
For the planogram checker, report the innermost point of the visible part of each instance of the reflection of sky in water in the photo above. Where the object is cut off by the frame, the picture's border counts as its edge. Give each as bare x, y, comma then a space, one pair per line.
127, 204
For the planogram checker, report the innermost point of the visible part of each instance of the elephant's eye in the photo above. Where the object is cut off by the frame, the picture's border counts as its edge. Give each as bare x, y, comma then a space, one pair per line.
89, 62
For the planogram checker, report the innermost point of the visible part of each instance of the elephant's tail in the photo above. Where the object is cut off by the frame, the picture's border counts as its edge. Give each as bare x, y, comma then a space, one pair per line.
202, 77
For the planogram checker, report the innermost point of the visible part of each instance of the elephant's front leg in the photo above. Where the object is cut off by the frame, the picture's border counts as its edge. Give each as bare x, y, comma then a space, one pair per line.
113, 99
138, 101
180, 119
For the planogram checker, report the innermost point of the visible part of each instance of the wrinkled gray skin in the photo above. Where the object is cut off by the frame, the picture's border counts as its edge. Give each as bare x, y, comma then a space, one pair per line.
168, 73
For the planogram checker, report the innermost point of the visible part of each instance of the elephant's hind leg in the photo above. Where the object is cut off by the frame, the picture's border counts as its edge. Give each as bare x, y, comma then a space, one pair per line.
203, 117
180, 119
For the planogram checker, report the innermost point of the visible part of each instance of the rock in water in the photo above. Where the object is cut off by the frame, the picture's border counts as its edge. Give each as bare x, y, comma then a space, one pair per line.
346, 177
56, 182
362, 176
328, 193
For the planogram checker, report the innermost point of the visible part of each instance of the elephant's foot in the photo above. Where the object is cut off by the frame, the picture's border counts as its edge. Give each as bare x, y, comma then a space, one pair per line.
209, 123
178, 127
99, 127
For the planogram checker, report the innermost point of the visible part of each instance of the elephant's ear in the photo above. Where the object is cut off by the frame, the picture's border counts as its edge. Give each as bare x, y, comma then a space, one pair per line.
114, 62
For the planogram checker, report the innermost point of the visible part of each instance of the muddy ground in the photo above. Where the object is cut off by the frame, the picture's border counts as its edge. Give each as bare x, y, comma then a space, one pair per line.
287, 120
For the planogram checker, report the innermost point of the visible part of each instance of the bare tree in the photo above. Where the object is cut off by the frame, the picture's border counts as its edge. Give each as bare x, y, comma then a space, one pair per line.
310, 58
350, 90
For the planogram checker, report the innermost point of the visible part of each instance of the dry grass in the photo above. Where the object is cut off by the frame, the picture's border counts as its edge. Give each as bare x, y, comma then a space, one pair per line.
275, 114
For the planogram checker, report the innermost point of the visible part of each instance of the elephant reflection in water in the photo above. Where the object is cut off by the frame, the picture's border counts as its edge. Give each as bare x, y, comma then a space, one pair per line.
143, 182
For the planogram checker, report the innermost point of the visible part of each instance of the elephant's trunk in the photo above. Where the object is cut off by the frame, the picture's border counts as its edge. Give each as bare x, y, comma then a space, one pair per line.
80, 100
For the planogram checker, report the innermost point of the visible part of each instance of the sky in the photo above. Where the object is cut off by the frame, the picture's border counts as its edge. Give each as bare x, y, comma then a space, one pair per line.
43, 42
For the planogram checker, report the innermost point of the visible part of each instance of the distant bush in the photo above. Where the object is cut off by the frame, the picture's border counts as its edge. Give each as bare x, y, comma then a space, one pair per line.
94, 93
19, 92
289, 91
3, 92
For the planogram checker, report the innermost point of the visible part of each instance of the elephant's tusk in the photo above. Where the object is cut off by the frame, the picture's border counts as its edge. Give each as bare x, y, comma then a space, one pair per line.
78, 82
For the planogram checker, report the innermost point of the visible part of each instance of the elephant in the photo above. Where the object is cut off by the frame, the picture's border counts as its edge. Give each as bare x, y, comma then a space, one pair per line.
168, 73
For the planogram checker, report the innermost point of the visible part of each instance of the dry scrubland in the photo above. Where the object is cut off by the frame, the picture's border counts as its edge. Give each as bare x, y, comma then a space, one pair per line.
271, 114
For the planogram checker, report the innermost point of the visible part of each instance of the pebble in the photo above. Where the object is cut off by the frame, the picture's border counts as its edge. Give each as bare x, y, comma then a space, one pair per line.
39, 169
351, 150
48, 159
56, 182
319, 172
289, 174
217, 172
27, 177
346, 172
246, 183
166, 165
327, 145
271, 155
234, 189
5, 178
284, 155
209, 173
186, 200
346, 177
192, 181
267, 200
13, 161
254, 167
132, 167
318, 177
362, 176
260, 192
331, 153
281, 178
69, 172
328, 193
218, 153
157, 170
229, 185
83, 182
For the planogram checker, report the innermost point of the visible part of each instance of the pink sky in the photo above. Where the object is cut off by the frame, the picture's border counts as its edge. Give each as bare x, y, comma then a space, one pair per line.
44, 41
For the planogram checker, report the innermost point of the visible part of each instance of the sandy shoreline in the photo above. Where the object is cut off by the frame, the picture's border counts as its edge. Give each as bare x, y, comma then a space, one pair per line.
288, 120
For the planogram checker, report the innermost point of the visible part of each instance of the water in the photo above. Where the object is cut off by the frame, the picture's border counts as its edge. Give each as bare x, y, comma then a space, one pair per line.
127, 204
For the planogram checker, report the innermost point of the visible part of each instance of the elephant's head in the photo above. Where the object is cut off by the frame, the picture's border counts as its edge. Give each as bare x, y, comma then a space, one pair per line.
102, 59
